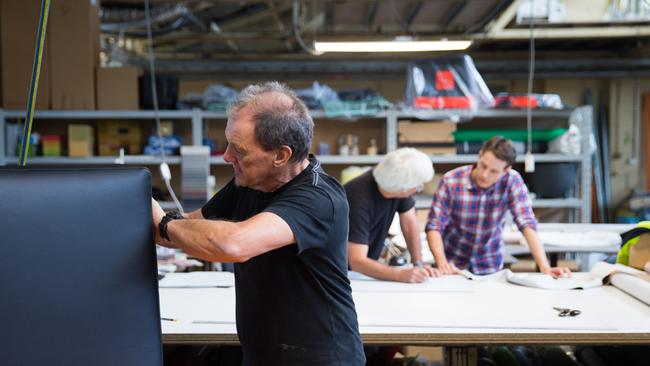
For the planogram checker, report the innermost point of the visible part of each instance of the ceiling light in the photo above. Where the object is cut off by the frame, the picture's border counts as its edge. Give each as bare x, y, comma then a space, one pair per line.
392, 46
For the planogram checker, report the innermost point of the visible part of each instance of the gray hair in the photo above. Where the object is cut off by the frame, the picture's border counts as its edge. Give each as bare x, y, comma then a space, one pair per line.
402, 170
281, 118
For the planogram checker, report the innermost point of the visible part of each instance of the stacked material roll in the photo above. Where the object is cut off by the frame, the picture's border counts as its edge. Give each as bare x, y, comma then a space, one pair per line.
635, 286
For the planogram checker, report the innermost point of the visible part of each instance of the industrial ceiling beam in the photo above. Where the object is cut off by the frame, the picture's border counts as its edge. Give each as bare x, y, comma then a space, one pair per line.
568, 33
372, 14
413, 12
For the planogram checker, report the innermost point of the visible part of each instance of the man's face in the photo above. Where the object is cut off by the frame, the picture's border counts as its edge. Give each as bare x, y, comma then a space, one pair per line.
252, 164
489, 169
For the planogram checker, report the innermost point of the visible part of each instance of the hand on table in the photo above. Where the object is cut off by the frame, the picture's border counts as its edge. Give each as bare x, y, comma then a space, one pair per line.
448, 268
557, 272
413, 275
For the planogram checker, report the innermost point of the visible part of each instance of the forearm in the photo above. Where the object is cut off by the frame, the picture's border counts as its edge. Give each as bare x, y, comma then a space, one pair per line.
409, 224
205, 239
414, 244
375, 269
536, 249
437, 247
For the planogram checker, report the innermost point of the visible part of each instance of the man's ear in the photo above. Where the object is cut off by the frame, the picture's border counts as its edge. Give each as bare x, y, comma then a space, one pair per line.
282, 156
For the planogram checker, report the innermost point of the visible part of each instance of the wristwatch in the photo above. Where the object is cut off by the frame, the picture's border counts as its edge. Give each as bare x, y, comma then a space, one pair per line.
162, 226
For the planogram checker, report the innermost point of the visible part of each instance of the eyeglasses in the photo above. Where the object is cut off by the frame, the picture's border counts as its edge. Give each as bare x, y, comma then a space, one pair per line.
567, 312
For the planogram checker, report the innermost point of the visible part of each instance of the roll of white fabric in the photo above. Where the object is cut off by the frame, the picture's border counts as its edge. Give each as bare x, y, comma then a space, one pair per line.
634, 286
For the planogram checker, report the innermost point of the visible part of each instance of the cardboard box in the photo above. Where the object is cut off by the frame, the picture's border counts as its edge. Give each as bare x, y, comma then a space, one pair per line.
117, 88
436, 150
640, 253
167, 128
81, 141
74, 52
425, 132
113, 135
18, 28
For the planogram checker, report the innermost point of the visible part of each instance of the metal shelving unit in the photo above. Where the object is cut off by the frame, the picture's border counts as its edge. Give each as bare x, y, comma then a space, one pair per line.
581, 201
97, 160
582, 117
422, 202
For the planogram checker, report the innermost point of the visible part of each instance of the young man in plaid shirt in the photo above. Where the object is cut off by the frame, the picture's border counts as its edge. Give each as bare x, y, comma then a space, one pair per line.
468, 213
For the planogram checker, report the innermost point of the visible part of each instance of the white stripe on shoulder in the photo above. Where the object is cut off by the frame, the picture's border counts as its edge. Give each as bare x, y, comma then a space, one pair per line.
315, 174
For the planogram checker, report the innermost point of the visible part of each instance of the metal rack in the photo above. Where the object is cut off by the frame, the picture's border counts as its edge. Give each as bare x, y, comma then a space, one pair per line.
581, 116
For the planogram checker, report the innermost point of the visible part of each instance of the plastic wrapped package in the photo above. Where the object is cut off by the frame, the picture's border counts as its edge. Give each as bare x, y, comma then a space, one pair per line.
356, 102
316, 96
217, 97
171, 144
450, 82
536, 101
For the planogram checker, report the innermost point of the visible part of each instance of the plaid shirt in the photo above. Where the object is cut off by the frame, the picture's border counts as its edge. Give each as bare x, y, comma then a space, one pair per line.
471, 219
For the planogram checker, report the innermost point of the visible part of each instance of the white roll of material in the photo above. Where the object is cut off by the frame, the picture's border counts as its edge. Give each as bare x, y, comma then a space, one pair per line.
632, 285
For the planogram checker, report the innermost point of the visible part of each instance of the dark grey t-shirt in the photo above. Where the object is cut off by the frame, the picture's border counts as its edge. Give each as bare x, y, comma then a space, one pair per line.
294, 304
371, 214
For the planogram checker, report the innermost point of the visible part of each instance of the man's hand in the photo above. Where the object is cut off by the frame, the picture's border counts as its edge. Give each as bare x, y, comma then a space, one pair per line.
557, 272
413, 275
157, 215
448, 268
432, 272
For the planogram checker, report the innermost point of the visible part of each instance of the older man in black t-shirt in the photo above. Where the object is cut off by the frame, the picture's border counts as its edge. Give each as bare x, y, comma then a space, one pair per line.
374, 198
284, 221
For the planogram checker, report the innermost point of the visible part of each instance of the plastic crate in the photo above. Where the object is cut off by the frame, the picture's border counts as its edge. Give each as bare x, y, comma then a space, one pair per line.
512, 134
355, 108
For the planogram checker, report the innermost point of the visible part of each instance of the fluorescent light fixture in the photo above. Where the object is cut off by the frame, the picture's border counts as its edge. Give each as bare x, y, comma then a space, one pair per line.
391, 46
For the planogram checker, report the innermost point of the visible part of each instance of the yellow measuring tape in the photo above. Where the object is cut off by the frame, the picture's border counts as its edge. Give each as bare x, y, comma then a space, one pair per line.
33, 86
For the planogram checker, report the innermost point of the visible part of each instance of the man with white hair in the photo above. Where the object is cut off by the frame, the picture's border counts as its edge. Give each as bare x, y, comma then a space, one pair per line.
374, 197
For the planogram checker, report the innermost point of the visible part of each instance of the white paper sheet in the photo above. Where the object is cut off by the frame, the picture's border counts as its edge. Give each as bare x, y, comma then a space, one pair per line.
362, 283
197, 280
597, 277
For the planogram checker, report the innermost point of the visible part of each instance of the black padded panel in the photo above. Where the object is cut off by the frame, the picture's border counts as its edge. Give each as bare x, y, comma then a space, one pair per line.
78, 279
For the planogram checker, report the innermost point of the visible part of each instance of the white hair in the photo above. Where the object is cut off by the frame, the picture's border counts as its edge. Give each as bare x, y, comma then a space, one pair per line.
402, 170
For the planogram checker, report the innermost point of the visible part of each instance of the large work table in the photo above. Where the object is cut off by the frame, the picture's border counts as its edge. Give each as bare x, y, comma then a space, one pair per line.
447, 311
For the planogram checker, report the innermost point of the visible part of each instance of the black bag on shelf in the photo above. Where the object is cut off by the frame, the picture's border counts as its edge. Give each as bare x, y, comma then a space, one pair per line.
166, 88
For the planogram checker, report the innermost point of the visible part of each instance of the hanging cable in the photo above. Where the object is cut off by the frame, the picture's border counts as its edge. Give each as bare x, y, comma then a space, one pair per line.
165, 172
33, 85
296, 30
529, 160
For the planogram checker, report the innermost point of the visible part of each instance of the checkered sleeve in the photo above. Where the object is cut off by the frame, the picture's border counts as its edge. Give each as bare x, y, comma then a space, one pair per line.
521, 205
440, 207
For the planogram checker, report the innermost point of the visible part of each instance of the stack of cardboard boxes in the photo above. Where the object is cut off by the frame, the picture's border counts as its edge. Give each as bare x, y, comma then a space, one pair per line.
430, 137
71, 78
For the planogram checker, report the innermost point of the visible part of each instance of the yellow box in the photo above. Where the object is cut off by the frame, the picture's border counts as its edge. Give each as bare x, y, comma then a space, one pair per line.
113, 135
81, 141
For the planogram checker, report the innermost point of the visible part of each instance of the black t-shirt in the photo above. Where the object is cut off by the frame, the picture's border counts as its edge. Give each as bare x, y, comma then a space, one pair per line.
294, 304
371, 214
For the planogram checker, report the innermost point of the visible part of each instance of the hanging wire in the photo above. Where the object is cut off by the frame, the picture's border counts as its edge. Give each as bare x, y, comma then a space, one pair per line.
33, 85
164, 167
296, 30
531, 75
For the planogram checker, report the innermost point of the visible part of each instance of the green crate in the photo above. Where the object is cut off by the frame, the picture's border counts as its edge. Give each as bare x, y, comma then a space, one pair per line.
512, 134
355, 108
217, 107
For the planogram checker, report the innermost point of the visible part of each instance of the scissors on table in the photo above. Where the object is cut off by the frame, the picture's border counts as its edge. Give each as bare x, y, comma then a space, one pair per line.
567, 312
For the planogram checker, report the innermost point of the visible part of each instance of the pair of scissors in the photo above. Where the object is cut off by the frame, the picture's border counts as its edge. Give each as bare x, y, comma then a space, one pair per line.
567, 312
